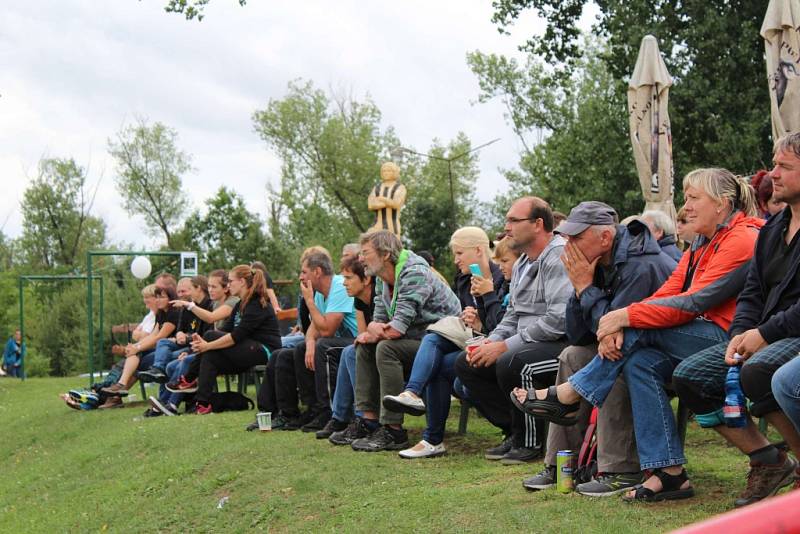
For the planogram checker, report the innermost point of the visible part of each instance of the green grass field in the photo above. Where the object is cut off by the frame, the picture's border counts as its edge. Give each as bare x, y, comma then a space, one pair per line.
114, 471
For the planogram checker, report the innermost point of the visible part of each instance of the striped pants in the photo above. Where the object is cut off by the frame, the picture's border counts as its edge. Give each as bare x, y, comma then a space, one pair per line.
534, 365
700, 378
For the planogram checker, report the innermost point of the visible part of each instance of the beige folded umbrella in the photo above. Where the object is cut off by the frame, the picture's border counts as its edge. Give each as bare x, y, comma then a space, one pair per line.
648, 93
782, 43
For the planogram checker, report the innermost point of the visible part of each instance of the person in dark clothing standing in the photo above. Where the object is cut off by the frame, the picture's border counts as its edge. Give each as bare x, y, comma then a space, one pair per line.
253, 334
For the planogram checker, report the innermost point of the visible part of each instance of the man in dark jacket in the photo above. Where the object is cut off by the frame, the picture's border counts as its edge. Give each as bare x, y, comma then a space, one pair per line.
765, 333
610, 266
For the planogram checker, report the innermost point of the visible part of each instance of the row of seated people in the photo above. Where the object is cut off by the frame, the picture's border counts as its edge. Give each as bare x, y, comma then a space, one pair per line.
588, 313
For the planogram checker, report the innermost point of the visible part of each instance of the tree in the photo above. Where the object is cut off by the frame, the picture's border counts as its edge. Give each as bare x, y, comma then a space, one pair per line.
191, 9
228, 234
429, 211
584, 151
331, 151
150, 168
719, 101
57, 226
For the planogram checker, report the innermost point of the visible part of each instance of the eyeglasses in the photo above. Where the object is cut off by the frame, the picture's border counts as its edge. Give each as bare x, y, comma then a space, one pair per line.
514, 220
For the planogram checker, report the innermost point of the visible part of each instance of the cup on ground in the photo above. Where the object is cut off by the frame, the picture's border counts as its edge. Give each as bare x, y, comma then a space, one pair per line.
264, 421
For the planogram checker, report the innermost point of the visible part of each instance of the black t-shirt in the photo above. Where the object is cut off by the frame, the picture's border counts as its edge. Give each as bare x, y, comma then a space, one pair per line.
255, 322
190, 323
270, 283
172, 315
776, 267
366, 307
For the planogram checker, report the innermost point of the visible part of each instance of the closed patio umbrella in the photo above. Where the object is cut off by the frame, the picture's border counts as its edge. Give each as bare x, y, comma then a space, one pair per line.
782, 44
648, 92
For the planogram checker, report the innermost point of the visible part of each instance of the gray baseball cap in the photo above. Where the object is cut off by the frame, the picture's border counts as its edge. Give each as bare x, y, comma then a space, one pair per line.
587, 214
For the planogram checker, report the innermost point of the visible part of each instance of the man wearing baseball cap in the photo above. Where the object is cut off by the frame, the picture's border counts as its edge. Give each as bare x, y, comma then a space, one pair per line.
609, 266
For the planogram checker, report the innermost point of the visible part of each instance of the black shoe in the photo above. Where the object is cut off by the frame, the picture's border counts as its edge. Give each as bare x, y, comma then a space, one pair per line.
152, 413
383, 439
154, 374
252, 426
333, 425
279, 422
497, 452
357, 429
318, 422
296, 423
521, 455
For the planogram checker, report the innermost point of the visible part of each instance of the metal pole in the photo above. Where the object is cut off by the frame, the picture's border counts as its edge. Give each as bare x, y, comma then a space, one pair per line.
102, 331
452, 195
89, 315
21, 327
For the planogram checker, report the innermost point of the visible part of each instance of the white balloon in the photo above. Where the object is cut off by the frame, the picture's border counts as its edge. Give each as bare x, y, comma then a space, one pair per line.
140, 267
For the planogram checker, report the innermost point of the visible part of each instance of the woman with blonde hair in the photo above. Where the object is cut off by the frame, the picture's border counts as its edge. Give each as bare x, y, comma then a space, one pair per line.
432, 374
647, 340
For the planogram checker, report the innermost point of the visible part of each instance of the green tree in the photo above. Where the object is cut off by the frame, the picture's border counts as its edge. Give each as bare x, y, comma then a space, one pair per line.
573, 129
719, 101
228, 234
331, 150
430, 215
191, 9
57, 225
150, 167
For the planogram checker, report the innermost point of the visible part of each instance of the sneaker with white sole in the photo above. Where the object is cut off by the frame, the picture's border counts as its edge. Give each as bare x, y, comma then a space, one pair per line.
406, 402
609, 484
423, 449
160, 407
543, 480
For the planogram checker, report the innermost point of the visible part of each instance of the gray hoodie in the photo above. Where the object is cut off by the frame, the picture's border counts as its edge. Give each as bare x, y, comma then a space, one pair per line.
539, 293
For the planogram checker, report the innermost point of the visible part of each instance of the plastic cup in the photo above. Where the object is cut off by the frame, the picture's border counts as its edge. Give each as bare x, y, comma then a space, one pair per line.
264, 421
473, 343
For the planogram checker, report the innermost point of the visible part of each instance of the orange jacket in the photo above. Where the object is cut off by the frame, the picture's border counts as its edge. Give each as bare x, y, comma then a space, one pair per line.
720, 267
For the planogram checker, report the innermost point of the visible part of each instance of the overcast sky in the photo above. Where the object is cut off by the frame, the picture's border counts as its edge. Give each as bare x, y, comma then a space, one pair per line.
75, 71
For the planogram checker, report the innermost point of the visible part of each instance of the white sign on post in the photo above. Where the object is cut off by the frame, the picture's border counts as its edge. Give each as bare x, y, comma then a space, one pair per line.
188, 263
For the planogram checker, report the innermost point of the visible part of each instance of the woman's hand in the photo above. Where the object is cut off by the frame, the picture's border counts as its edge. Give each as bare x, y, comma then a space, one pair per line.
471, 318
613, 321
480, 285
199, 345
179, 303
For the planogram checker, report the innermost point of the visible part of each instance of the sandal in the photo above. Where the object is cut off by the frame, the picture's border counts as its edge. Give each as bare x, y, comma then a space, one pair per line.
670, 488
549, 408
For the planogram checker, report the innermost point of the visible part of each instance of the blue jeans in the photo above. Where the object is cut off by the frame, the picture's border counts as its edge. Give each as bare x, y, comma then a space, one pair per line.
649, 358
344, 396
292, 340
167, 351
786, 389
432, 378
174, 370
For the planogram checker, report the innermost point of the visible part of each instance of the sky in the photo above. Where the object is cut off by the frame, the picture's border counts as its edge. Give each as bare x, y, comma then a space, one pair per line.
76, 71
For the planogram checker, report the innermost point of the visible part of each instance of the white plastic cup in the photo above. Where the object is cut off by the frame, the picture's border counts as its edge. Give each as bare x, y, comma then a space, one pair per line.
264, 421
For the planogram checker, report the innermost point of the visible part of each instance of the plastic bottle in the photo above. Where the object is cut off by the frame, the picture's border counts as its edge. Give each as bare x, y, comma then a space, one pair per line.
735, 408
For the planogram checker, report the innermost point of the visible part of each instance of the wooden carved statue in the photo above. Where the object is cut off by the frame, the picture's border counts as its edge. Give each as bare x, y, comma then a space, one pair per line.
387, 198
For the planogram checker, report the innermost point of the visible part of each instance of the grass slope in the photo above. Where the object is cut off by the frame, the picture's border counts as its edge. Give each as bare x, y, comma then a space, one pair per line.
67, 471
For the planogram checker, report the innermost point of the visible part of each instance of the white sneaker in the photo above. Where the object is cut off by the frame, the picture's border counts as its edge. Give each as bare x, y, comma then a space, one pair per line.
423, 449
406, 402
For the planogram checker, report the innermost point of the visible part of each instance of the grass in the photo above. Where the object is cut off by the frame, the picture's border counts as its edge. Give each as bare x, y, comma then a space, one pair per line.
68, 471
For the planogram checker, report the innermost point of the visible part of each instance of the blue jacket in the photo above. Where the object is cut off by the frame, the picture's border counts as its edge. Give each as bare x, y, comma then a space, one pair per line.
10, 356
639, 267
756, 306
667, 244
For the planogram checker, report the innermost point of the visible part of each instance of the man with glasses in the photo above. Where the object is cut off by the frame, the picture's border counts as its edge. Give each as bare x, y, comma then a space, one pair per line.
523, 350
